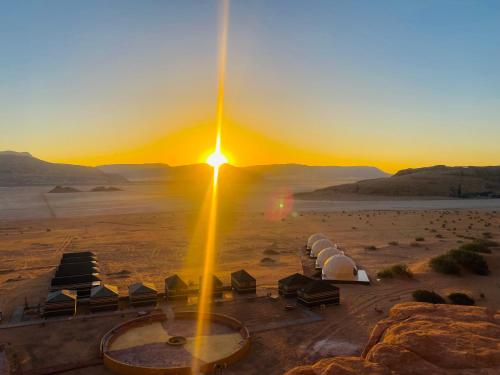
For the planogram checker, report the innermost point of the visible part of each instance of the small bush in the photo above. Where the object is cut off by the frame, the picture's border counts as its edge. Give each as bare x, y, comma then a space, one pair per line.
393, 243
477, 247
461, 299
427, 296
267, 261
270, 252
445, 264
371, 247
469, 260
397, 270
486, 242
419, 239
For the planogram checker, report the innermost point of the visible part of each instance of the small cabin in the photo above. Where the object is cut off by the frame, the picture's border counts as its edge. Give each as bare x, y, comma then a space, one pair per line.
142, 294
318, 292
243, 282
175, 288
60, 302
289, 285
217, 285
104, 297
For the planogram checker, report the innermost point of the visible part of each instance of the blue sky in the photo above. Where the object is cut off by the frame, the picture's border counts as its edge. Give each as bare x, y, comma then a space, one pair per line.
386, 83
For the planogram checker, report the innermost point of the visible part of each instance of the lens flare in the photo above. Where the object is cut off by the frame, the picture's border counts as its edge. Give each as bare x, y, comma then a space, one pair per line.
216, 159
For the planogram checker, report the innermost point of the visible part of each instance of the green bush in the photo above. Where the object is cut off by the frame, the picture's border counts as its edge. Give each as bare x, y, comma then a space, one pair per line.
469, 260
476, 247
461, 299
427, 296
445, 264
397, 270
486, 242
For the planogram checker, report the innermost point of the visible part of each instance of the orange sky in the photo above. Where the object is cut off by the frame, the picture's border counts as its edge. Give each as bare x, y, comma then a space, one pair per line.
391, 85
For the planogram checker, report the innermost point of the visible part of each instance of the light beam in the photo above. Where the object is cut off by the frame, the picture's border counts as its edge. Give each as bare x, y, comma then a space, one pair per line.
216, 159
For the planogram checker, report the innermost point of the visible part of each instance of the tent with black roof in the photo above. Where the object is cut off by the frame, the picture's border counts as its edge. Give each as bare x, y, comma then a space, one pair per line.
288, 286
318, 292
60, 302
175, 287
243, 282
142, 294
103, 297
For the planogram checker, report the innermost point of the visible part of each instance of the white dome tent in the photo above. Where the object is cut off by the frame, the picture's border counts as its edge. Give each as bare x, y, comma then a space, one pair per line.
320, 245
313, 238
325, 254
342, 269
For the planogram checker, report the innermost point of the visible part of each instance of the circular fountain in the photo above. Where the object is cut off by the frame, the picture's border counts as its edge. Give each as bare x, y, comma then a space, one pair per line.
156, 345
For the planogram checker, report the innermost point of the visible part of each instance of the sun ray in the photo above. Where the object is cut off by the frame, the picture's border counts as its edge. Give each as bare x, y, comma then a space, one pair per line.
216, 159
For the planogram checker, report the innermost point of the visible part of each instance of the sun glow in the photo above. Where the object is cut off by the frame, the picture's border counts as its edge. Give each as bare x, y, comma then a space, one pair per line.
216, 159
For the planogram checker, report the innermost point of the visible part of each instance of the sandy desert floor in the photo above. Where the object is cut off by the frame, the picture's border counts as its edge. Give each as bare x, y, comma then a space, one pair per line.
152, 246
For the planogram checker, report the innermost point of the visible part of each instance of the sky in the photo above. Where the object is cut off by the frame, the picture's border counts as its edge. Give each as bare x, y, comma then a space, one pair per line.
393, 84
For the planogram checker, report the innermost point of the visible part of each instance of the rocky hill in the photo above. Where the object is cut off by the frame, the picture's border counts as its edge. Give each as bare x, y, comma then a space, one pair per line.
437, 181
21, 168
423, 339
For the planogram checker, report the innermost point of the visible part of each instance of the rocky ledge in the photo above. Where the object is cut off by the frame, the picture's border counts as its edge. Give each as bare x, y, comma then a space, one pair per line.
423, 339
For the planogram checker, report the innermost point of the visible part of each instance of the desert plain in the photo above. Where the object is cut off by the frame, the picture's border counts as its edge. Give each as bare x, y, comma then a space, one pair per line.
146, 235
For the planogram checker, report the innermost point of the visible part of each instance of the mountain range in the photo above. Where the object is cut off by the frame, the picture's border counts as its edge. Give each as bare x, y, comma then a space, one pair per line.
21, 168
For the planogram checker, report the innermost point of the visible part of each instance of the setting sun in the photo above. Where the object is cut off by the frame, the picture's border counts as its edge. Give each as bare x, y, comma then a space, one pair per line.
216, 159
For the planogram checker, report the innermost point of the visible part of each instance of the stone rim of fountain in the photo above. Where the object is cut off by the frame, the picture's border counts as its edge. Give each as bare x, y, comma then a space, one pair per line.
176, 341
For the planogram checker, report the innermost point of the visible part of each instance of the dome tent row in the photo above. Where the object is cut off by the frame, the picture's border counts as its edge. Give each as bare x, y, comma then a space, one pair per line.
325, 254
335, 266
313, 238
320, 245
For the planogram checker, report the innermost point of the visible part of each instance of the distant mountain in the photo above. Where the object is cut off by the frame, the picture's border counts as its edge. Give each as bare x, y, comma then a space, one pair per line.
164, 172
436, 181
21, 168
139, 172
325, 174
284, 173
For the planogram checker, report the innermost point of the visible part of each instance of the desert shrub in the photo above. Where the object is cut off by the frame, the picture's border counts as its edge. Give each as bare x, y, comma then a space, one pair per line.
371, 247
469, 260
445, 264
486, 242
461, 299
397, 270
477, 246
427, 296
393, 243
267, 260
419, 239
270, 252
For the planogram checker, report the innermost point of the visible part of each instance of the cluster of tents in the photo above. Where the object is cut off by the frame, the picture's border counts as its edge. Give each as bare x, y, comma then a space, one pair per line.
333, 263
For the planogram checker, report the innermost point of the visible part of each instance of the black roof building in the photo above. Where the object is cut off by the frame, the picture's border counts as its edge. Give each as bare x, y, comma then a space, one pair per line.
175, 287
243, 282
318, 292
288, 286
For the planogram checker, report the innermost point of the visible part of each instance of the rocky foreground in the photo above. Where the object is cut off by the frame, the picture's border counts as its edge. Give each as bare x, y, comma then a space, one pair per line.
423, 339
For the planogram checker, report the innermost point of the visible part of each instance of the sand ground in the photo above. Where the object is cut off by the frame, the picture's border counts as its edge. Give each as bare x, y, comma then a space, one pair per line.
151, 246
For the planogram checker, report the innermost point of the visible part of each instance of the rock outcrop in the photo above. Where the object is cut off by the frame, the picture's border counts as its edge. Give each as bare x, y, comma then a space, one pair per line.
437, 181
424, 339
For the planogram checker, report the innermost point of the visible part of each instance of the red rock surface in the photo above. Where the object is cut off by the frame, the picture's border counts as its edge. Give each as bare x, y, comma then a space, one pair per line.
424, 339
